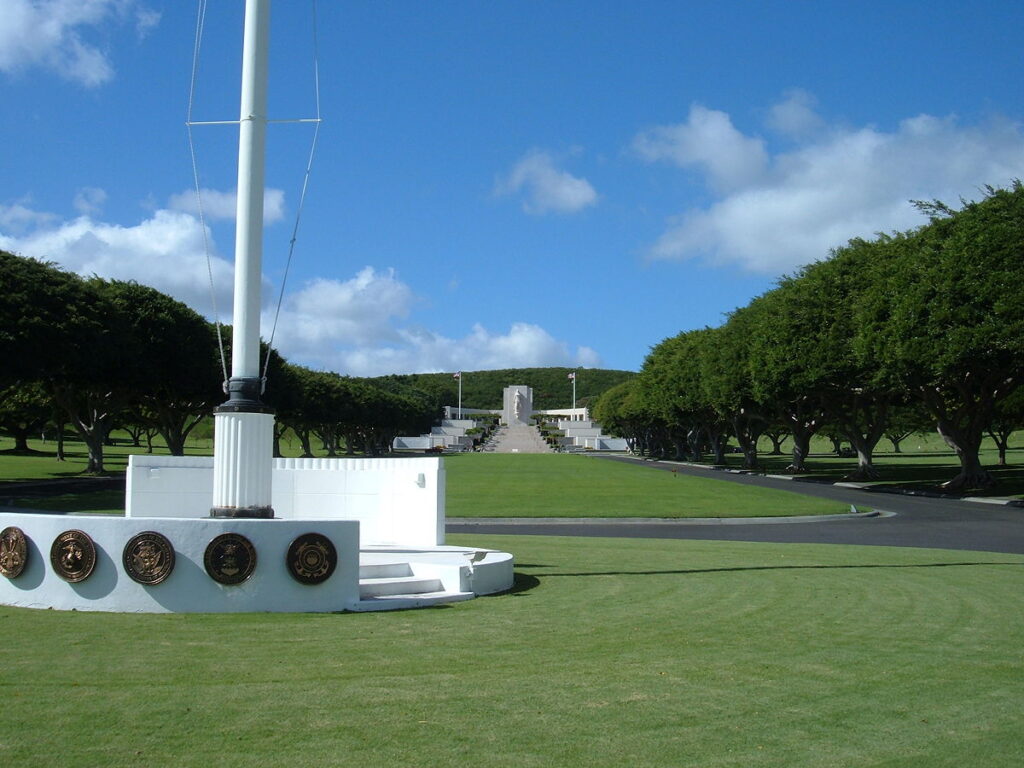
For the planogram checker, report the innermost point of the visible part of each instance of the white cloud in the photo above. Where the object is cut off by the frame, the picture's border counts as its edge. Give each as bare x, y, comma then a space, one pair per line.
165, 251
525, 345
221, 206
709, 141
89, 200
325, 314
53, 34
357, 326
545, 188
794, 116
788, 209
19, 218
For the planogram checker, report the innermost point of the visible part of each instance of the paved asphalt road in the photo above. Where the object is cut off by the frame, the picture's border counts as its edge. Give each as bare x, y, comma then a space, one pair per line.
917, 521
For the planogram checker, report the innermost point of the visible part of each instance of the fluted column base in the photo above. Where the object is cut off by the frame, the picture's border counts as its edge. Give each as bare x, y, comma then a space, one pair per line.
242, 464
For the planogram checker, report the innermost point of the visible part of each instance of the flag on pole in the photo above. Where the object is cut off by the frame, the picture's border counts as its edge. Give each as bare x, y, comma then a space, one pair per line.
572, 375
457, 375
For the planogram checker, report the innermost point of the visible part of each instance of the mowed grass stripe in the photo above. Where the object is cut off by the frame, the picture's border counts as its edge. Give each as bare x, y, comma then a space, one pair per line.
612, 653
565, 485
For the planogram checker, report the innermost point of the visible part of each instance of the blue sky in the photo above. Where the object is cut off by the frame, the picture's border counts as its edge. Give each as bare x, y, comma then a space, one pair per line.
501, 184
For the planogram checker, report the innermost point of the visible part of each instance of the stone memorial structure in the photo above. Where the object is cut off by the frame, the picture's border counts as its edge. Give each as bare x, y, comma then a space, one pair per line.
517, 405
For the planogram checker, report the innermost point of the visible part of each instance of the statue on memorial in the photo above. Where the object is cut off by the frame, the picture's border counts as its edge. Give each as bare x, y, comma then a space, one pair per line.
517, 405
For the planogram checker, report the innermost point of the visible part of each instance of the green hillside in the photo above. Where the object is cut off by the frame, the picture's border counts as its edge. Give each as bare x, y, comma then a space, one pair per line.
483, 389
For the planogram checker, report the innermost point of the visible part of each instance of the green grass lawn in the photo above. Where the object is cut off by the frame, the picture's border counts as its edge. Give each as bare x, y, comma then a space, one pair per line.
610, 653
512, 485
566, 485
572, 486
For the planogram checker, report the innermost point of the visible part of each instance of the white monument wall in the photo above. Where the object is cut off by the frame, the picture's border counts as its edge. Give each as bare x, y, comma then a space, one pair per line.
397, 501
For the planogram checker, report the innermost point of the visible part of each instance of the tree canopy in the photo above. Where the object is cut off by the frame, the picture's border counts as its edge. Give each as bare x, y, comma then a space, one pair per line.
927, 321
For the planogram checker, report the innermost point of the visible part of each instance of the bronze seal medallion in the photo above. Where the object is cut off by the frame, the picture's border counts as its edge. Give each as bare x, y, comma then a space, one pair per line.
311, 558
148, 557
13, 552
230, 558
73, 555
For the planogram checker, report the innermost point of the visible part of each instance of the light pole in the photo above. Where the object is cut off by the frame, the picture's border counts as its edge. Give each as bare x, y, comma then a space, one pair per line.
458, 375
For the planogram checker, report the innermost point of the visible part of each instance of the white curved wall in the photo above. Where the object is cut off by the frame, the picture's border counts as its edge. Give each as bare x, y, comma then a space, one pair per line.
189, 589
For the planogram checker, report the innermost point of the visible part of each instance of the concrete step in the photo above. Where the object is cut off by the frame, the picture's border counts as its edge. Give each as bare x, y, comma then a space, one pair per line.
384, 570
401, 602
398, 585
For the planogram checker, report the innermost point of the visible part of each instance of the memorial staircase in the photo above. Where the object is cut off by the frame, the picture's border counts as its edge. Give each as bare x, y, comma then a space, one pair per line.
393, 581
518, 438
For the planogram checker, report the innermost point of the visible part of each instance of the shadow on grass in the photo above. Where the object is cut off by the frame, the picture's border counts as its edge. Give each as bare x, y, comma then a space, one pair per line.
521, 584
740, 569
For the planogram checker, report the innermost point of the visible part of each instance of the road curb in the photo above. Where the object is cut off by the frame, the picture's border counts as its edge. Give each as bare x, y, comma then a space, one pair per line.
471, 521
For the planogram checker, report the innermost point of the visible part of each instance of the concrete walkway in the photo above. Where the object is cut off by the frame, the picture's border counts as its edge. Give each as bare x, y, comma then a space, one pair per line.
519, 438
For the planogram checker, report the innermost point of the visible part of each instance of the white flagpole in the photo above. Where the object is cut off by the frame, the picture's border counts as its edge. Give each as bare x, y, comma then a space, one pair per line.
244, 431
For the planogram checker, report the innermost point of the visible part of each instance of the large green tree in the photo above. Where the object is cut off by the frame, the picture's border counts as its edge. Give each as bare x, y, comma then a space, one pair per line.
25, 409
727, 385
945, 317
171, 361
803, 358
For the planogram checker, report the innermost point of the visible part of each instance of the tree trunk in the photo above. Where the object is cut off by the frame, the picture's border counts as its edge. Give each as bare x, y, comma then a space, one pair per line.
865, 448
279, 432
679, 448
174, 439
91, 416
303, 435
747, 435
717, 441
966, 443
1002, 441
801, 449
896, 438
94, 438
20, 436
135, 433
60, 442
803, 420
777, 438
694, 444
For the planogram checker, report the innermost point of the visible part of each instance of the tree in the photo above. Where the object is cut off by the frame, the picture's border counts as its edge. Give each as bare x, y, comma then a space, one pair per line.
906, 417
56, 329
783, 378
48, 320
24, 410
1007, 418
726, 383
173, 360
947, 319
622, 412
778, 435
670, 383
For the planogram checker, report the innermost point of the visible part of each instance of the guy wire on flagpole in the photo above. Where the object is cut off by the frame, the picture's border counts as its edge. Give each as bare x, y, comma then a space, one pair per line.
190, 123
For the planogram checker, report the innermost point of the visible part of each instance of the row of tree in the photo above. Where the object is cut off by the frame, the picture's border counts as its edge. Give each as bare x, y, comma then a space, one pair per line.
94, 354
888, 334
